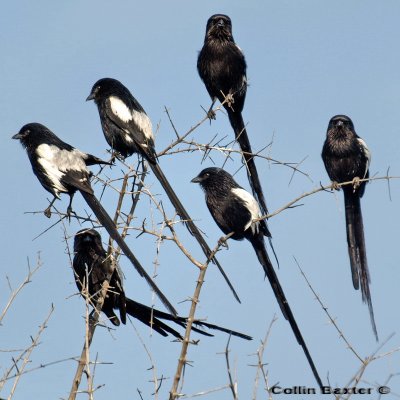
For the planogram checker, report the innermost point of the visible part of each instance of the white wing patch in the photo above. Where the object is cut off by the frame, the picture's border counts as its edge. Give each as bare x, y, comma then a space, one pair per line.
128, 138
142, 121
252, 205
367, 154
120, 109
56, 162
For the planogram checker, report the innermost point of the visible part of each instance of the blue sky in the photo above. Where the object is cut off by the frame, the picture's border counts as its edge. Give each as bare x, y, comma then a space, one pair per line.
307, 61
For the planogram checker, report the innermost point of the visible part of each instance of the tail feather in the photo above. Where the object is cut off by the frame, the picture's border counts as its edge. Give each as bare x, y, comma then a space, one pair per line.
107, 222
357, 250
151, 317
242, 138
189, 222
144, 314
259, 247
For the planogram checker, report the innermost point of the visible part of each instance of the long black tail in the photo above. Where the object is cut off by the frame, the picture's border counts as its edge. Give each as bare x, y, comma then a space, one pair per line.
151, 317
259, 247
357, 250
236, 120
107, 222
188, 221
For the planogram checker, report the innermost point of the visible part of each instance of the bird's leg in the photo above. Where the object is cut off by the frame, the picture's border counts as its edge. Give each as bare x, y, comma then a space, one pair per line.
335, 185
356, 183
69, 209
210, 113
47, 211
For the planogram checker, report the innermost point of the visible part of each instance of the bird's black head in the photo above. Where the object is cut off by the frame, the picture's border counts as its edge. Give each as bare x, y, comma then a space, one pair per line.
219, 26
106, 87
341, 122
215, 179
34, 134
87, 238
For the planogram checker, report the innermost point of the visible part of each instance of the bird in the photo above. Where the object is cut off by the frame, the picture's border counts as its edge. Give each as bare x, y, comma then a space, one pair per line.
61, 168
237, 213
128, 130
347, 159
92, 265
222, 67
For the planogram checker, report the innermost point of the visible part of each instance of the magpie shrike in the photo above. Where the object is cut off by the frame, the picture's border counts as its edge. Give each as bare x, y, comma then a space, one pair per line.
61, 168
222, 68
236, 210
347, 158
128, 130
92, 265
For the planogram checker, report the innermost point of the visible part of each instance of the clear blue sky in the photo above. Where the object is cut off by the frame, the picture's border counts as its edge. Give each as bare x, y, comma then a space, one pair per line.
307, 61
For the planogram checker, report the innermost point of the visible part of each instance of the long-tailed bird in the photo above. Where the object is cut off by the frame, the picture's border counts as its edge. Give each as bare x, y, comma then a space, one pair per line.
61, 168
222, 68
236, 211
128, 130
92, 265
347, 158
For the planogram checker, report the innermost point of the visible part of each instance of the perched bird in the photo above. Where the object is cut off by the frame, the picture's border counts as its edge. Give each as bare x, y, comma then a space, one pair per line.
128, 130
92, 265
222, 68
61, 168
236, 211
347, 158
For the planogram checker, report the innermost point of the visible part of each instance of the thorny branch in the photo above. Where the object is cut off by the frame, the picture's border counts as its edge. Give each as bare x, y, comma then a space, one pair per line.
194, 301
24, 357
15, 292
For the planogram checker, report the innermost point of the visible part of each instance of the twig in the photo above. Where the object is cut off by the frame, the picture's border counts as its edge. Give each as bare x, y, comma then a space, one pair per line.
232, 385
332, 320
260, 364
194, 301
15, 292
28, 353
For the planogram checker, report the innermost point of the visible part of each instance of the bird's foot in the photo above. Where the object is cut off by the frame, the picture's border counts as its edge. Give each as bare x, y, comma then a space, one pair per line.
70, 211
356, 183
230, 100
211, 115
335, 185
47, 212
222, 242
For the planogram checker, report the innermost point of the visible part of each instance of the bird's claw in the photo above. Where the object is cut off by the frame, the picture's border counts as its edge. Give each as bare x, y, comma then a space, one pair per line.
335, 185
69, 212
230, 100
356, 183
223, 243
47, 212
211, 115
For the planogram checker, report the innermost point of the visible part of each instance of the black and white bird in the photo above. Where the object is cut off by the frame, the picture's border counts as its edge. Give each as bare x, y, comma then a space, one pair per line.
236, 210
347, 159
61, 168
92, 265
222, 68
128, 130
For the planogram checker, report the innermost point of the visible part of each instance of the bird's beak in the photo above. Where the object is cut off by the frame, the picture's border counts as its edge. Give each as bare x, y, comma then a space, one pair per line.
339, 123
196, 180
90, 97
221, 23
17, 136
